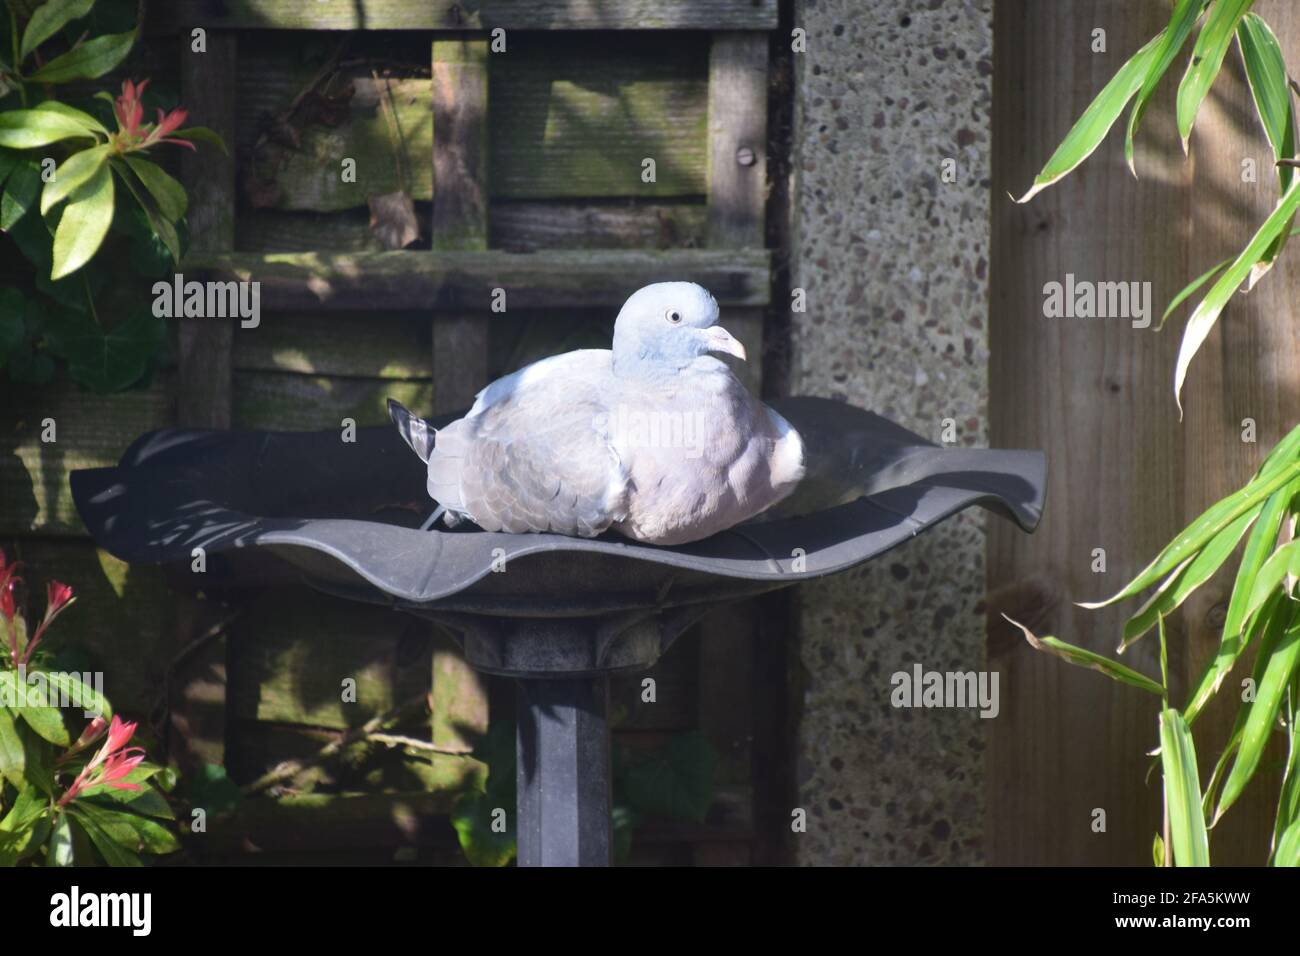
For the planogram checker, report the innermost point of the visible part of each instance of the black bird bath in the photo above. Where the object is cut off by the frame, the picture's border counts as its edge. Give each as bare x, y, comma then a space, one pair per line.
558, 614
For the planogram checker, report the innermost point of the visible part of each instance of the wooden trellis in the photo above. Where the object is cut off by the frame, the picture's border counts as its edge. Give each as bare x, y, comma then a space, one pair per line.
487, 200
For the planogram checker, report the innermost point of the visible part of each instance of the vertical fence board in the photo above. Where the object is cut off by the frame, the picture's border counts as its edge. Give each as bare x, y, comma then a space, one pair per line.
738, 167
460, 340
203, 383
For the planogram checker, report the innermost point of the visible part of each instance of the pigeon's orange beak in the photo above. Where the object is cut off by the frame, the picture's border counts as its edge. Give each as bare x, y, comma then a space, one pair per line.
720, 340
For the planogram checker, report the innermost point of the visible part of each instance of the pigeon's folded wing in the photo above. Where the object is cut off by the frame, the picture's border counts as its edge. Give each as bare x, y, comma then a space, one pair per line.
540, 459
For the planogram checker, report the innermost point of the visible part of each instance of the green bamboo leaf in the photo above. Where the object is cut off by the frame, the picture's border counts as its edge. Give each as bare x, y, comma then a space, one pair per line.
31, 129
1085, 658
1288, 847
74, 173
48, 19
1183, 19
1207, 313
1199, 533
1207, 57
1096, 121
1195, 572
1285, 560
1278, 669
84, 224
1182, 792
166, 191
1288, 803
1190, 289
1269, 86
87, 61
1236, 634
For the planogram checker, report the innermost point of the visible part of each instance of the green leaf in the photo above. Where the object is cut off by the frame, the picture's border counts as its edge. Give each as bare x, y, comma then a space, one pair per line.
159, 223
1288, 847
473, 818
48, 724
1085, 658
1285, 560
166, 191
1182, 792
73, 688
21, 192
1207, 57
1096, 121
1184, 18
13, 755
1236, 634
132, 833
28, 807
8, 160
1207, 313
84, 224
201, 134
1158, 851
675, 783
87, 122
31, 129
1269, 86
1280, 666
74, 173
114, 853
62, 852
48, 19
1200, 532
1190, 289
1288, 804
1195, 572
106, 361
91, 59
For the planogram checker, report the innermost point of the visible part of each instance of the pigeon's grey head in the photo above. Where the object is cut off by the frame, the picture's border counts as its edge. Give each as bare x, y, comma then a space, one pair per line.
667, 326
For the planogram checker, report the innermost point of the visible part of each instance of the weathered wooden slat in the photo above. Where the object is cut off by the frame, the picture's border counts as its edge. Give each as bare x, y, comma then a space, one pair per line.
575, 122
196, 709
460, 209
387, 132
570, 122
471, 15
459, 711
356, 346
537, 226
208, 89
90, 431
738, 166
278, 230
310, 402
460, 280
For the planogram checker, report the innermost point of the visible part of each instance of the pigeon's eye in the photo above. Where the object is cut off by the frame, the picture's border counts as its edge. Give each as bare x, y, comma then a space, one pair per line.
673, 316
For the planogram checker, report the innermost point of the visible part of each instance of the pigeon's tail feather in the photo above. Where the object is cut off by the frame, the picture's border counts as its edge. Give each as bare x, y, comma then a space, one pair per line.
416, 432
446, 461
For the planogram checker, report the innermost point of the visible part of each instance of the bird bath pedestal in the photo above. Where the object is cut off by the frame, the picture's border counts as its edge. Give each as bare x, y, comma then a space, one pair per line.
557, 614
